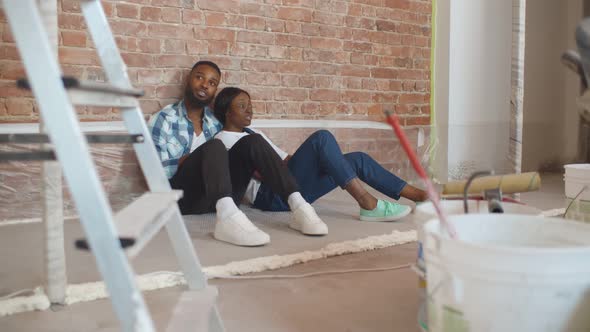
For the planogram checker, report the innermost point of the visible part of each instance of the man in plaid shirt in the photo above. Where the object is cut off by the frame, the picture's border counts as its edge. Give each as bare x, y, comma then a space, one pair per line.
212, 178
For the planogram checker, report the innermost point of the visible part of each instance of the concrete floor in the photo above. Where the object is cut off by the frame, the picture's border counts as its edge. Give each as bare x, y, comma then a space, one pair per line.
375, 301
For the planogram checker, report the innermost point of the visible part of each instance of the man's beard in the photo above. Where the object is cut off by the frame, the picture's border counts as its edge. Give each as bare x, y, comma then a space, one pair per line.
193, 101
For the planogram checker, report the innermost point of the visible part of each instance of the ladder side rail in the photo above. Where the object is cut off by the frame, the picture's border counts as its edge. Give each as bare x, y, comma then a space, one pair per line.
72, 150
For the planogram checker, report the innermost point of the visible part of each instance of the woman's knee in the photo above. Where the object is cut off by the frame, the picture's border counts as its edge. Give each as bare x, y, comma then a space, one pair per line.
357, 159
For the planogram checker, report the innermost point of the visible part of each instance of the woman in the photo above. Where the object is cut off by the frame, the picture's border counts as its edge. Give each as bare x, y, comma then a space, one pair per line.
318, 165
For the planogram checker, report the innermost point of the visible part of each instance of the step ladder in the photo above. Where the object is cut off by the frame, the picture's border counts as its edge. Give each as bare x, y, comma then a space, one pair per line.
112, 238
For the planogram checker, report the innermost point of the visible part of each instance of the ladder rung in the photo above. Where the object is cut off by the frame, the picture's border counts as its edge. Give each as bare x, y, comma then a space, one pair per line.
90, 86
27, 155
90, 138
192, 311
138, 222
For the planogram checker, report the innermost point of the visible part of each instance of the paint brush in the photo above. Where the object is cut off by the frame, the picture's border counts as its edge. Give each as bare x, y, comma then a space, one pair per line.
393, 120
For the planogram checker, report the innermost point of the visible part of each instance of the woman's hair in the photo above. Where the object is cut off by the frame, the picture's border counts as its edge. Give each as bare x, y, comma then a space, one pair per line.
223, 102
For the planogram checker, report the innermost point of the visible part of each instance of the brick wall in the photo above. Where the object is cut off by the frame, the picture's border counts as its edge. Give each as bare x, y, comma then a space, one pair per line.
298, 58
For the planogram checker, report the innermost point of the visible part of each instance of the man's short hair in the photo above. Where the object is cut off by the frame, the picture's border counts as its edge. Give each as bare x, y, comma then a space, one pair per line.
207, 63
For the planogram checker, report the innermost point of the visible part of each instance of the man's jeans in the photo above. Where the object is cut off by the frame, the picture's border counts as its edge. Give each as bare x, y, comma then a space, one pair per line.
319, 166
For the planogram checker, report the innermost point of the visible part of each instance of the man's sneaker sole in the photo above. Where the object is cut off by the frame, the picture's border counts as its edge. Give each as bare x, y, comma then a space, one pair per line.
241, 244
314, 233
388, 218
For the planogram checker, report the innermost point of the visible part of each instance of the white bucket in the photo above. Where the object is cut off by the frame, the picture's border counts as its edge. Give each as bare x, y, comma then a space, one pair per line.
508, 273
576, 177
425, 212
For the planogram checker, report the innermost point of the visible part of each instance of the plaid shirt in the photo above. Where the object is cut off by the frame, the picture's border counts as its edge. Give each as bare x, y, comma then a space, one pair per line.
172, 132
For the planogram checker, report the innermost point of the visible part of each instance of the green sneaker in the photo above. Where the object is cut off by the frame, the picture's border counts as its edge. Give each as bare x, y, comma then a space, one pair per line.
385, 211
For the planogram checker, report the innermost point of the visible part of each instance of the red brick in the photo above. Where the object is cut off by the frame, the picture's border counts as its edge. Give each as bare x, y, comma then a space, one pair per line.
310, 108
150, 106
256, 37
150, 14
273, 25
167, 3
128, 28
326, 69
218, 47
249, 50
354, 83
170, 31
108, 8
324, 95
182, 61
212, 19
358, 46
138, 60
70, 6
400, 4
255, 23
192, 16
77, 56
259, 65
270, 79
11, 70
306, 82
149, 45
310, 29
411, 99
127, 10
290, 80
3, 110
292, 40
328, 18
325, 43
261, 93
171, 15
417, 121
146, 76
352, 70
338, 7
71, 21
19, 106
360, 22
294, 14
356, 96
172, 76
169, 91
293, 67
73, 38
291, 94
257, 9
278, 52
174, 46
292, 27
226, 6
384, 73
328, 82
196, 47
211, 33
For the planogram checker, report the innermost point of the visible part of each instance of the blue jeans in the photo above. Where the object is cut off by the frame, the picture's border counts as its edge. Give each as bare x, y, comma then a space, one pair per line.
319, 166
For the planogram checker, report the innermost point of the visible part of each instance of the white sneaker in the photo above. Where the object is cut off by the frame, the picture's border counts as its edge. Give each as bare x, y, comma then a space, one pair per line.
306, 220
239, 230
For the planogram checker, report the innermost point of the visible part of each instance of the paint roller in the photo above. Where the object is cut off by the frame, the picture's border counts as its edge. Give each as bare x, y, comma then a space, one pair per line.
508, 184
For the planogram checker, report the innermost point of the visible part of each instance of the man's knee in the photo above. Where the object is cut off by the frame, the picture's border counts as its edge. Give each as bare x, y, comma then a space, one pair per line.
213, 145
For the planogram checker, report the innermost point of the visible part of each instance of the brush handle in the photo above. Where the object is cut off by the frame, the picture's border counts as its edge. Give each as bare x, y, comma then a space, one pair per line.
393, 120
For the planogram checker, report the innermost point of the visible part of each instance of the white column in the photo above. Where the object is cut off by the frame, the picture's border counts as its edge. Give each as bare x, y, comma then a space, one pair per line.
480, 47
55, 262
516, 116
